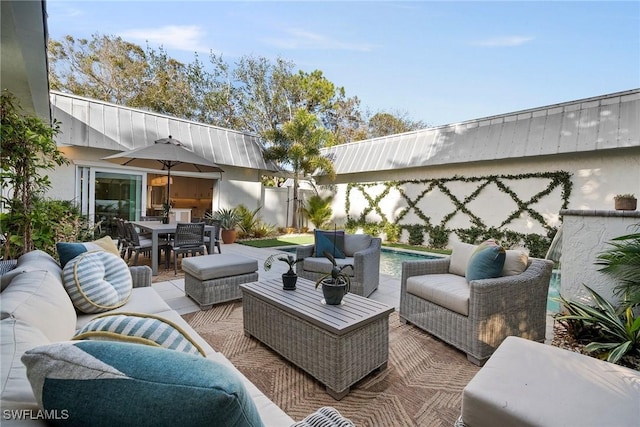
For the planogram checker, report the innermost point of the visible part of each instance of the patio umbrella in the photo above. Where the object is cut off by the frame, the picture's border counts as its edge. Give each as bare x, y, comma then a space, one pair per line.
165, 154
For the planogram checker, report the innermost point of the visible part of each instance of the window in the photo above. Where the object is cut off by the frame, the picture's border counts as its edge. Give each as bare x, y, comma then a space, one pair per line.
105, 195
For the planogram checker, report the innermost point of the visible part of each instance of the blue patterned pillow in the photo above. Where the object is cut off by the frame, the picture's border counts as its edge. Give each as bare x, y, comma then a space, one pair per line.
97, 281
330, 241
486, 261
107, 383
139, 328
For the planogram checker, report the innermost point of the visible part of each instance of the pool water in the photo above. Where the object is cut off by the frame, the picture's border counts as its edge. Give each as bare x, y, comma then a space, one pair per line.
391, 264
391, 260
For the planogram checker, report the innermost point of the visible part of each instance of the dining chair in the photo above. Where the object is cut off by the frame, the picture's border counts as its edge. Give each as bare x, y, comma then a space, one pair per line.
215, 234
188, 239
121, 235
137, 244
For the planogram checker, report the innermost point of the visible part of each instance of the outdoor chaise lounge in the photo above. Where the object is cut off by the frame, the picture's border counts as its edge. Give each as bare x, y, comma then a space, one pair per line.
476, 316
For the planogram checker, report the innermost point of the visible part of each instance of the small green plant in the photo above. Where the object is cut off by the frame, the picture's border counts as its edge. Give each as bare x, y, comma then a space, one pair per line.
288, 259
392, 231
416, 235
612, 333
624, 196
337, 275
229, 218
318, 210
249, 220
439, 237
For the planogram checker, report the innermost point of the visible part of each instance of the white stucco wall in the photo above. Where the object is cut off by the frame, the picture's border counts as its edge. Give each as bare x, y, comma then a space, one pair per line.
585, 235
596, 178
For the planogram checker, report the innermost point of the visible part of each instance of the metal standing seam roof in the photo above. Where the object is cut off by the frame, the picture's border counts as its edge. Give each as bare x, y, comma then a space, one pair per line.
599, 123
98, 124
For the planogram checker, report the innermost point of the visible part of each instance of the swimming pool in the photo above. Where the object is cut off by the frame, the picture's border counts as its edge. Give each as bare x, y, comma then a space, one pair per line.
390, 259
391, 264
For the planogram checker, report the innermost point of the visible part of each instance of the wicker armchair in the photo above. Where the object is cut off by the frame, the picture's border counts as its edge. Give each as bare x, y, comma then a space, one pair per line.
508, 305
365, 261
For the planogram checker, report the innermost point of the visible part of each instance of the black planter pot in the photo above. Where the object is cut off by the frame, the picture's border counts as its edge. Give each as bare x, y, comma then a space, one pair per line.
333, 292
289, 281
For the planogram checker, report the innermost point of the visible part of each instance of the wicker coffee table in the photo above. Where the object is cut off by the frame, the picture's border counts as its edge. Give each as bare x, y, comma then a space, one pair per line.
337, 345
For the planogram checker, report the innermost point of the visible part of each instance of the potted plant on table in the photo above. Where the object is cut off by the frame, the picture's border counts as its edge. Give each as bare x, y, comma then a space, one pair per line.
336, 284
229, 220
289, 278
625, 202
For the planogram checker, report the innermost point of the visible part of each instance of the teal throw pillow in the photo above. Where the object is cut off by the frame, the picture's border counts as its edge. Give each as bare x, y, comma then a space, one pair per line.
68, 250
106, 383
330, 241
97, 281
139, 328
486, 261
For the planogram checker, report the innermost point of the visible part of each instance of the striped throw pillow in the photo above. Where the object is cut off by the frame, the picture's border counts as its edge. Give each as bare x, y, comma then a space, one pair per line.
139, 328
97, 281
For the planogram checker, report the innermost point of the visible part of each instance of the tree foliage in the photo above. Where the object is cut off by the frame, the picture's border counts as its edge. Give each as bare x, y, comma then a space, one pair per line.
255, 94
28, 149
296, 146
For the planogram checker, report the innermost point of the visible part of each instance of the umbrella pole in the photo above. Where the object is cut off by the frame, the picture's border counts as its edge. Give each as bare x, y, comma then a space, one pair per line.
169, 188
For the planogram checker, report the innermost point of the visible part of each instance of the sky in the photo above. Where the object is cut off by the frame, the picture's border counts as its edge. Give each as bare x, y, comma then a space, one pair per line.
439, 62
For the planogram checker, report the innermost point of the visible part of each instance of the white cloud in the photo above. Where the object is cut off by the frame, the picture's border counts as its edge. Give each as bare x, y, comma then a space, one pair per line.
503, 41
186, 37
295, 38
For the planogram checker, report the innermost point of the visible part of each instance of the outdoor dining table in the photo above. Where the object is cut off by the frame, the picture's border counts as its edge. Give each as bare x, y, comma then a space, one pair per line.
156, 228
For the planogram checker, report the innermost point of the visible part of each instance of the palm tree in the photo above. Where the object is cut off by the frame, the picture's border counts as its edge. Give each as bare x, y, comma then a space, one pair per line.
296, 146
318, 210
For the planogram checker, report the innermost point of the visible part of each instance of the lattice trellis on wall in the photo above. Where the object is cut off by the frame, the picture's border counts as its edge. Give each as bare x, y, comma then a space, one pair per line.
471, 207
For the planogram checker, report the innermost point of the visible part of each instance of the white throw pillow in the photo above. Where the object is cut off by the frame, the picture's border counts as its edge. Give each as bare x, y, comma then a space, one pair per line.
515, 262
460, 254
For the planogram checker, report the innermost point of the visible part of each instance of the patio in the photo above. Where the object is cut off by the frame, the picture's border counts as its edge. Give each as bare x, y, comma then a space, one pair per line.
172, 289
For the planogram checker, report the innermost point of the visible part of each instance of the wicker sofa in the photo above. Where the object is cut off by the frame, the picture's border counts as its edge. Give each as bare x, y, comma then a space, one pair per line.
476, 316
37, 311
361, 250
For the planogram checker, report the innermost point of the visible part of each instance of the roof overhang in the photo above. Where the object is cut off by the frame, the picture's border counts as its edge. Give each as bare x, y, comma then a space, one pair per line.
23, 60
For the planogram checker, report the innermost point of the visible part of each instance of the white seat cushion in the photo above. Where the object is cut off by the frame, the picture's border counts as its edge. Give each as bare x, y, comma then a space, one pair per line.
323, 265
16, 389
209, 267
38, 298
447, 290
526, 383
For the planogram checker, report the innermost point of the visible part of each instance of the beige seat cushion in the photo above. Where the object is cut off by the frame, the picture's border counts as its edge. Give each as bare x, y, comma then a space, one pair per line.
460, 254
355, 242
39, 299
446, 290
16, 389
217, 266
526, 383
142, 300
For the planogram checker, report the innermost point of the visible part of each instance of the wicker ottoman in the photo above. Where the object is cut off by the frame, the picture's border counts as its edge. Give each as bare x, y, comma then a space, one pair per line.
212, 279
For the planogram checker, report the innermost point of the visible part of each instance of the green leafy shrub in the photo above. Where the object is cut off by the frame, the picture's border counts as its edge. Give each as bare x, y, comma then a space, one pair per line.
392, 231
611, 333
439, 237
622, 262
318, 210
52, 221
416, 235
248, 221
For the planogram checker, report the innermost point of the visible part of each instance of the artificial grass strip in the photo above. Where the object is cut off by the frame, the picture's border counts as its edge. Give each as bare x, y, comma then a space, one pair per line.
279, 241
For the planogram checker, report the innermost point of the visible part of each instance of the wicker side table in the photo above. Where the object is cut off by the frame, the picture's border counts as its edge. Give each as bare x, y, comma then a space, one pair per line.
337, 345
